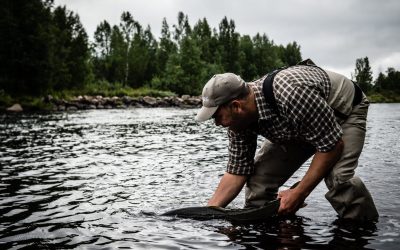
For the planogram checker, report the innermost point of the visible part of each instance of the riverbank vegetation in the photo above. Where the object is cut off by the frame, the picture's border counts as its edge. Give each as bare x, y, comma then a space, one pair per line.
44, 50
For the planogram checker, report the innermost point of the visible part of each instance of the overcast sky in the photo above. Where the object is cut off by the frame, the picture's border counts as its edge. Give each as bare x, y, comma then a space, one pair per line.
334, 33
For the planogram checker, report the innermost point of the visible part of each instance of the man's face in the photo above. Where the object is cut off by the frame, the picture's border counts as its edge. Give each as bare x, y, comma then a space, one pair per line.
228, 117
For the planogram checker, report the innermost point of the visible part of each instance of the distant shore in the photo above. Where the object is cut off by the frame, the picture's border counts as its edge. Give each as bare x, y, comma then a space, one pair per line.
86, 102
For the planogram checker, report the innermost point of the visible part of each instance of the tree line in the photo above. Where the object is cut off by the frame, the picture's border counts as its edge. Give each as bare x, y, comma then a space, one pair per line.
44, 48
384, 83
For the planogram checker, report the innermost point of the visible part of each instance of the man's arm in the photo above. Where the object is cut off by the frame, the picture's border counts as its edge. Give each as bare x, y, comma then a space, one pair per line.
292, 199
229, 187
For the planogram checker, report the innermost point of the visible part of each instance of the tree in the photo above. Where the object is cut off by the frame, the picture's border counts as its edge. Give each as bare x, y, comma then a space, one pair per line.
117, 56
183, 28
229, 45
70, 50
363, 74
266, 55
166, 47
25, 46
102, 51
247, 58
388, 82
141, 57
128, 26
290, 55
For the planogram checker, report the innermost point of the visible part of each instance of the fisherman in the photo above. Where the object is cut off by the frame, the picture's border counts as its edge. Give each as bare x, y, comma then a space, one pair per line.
302, 111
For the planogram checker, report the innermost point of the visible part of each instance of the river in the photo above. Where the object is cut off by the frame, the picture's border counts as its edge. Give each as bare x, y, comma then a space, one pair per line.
98, 179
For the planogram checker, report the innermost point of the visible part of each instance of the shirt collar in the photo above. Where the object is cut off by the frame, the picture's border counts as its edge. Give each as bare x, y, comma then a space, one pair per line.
264, 109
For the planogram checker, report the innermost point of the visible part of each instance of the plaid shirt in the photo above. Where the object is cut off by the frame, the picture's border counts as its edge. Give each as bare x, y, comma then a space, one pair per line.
301, 94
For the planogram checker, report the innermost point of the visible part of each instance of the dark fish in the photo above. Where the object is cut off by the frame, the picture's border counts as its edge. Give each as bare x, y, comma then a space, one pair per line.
240, 215
246, 214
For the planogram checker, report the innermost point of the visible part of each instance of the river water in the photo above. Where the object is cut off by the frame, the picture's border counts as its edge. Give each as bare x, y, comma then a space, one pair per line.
99, 179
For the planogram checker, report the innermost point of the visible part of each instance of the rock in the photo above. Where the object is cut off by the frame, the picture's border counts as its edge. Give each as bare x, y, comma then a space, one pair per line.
95, 101
48, 98
72, 108
61, 108
127, 100
185, 97
149, 100
15, 108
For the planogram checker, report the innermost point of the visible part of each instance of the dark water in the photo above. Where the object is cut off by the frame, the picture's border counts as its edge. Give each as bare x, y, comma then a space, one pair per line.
98, 179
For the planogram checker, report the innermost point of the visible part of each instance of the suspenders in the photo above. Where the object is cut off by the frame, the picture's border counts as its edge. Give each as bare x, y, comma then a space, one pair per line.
270, 98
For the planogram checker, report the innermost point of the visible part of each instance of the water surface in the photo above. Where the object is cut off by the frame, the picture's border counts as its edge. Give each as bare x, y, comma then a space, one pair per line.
98, 179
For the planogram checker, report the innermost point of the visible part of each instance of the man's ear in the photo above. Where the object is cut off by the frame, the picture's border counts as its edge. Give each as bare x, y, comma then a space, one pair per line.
236, 106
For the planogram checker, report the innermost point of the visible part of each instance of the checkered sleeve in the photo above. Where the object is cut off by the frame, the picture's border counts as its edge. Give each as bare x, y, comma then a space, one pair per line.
242, 148
308, 111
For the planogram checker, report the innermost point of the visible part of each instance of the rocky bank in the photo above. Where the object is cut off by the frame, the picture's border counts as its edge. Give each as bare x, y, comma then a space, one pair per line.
100, 102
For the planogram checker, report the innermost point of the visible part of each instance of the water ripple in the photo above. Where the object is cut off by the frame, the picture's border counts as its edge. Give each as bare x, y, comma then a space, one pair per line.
99, 178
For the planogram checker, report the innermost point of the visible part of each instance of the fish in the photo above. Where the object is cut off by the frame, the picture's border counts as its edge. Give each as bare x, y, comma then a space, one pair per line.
238, 215
267, 211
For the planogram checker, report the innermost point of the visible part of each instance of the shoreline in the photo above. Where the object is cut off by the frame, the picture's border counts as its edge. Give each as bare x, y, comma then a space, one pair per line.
86, 102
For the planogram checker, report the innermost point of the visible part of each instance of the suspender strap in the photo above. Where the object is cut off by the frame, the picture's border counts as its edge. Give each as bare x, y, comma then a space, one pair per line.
270, 98
357, 94
356, 100
268, 90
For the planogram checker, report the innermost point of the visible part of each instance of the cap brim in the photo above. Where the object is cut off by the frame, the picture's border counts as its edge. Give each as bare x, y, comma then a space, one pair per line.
205, 113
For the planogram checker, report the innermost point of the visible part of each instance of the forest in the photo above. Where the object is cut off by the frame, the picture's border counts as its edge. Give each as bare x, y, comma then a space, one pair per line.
44, 49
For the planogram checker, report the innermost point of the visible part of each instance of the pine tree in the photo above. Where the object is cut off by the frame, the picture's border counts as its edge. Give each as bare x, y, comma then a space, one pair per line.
363, 74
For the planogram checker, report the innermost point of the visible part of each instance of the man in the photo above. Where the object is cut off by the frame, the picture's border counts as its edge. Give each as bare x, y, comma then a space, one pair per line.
316, 113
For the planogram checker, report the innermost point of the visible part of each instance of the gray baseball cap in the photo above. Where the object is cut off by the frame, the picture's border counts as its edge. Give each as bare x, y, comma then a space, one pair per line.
220, 89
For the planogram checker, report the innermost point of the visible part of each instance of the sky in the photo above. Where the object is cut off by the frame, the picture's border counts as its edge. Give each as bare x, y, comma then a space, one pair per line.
333, 33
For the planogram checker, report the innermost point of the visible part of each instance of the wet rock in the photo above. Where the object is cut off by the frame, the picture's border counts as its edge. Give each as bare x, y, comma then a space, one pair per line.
15, 108
100, 102
149, 100
72, 108
185, 97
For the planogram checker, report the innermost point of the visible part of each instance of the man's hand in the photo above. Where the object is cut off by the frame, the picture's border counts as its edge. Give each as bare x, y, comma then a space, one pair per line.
228, 188
322, 163
291, 201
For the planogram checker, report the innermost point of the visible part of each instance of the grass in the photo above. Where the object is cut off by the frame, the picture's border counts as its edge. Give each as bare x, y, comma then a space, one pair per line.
102, 88
106, 89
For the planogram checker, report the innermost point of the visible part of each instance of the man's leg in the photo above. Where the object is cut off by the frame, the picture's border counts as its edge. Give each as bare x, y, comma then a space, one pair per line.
274, 164
347, 193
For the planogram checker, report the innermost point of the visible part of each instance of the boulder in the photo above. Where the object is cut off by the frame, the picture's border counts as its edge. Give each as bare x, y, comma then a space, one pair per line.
149, 100
15, 108
185, 97
72, 108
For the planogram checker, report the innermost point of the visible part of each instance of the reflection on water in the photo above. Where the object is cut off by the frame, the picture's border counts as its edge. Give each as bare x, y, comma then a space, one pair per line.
98, 179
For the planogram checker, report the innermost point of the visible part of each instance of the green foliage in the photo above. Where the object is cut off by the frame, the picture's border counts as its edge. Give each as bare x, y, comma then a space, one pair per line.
388, 82
44, 49
5, 99
70, 50
290, 55
386, 87
25, 50
363, 74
